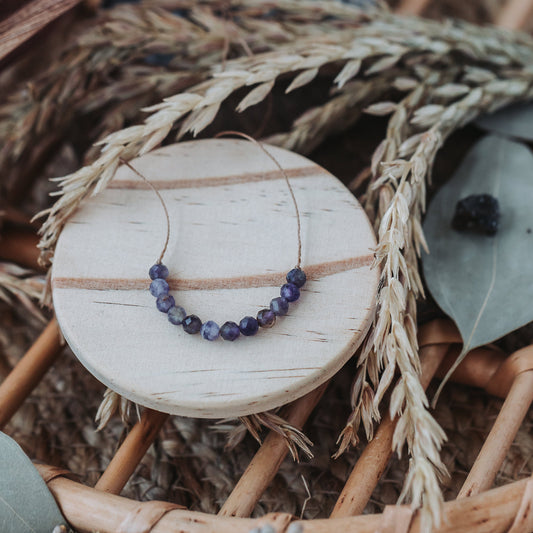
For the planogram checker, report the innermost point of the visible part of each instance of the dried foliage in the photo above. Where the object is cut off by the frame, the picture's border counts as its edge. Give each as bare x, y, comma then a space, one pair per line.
438, 78
24, 287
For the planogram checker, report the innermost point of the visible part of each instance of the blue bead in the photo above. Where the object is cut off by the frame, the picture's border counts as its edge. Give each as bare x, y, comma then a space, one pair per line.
210, 330
266, 318
165, 302
279, 306
290, 292
159, 270
297, 277
176, 315
158, 287
229, 331
248, 326
192, 324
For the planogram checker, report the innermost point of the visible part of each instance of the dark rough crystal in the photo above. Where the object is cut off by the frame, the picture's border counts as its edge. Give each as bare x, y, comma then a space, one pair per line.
478, 213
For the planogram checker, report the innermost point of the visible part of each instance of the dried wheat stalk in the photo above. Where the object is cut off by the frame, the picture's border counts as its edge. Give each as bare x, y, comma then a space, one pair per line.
495, 70
134, 55
21, 285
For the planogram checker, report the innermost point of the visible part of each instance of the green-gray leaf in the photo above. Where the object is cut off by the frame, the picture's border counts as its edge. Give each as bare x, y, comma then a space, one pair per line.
485, 284
515, 120
26, 505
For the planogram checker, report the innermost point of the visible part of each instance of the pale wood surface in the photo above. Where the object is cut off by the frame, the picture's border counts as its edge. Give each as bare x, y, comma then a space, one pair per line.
233, 238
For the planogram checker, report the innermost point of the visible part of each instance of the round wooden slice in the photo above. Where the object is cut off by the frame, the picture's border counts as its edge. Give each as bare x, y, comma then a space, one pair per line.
233, 239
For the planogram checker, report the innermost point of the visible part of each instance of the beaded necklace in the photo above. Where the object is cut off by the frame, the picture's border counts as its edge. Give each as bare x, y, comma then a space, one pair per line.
229, 331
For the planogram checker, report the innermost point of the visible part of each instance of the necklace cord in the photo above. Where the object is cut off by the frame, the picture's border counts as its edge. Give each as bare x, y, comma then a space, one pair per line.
260, 145
150, 184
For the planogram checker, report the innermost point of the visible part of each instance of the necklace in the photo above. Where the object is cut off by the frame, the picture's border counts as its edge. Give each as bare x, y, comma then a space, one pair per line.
229, 331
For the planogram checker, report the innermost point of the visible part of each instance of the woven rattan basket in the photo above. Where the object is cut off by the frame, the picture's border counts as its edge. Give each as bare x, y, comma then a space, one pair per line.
478, 507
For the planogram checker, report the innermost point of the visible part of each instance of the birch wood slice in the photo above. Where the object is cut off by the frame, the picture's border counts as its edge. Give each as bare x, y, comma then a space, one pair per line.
233, 239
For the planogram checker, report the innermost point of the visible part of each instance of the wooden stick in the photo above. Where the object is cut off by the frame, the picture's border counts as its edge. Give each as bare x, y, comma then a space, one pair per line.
130, 453
90, 510
515, 14
20, 247
375, 457
266, 462
28, 20
411, 7
501, 437
29, 371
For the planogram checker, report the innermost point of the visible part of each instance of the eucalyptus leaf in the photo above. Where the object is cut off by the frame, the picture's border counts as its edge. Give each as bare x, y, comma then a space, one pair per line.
485, 284
515, 120
26, 505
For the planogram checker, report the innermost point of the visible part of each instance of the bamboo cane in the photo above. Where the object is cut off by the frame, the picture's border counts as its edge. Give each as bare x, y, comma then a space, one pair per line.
375, 457
501, 437
131, 452
29, 371
412, 7
515, 14
20, 247
89, 510
266, 462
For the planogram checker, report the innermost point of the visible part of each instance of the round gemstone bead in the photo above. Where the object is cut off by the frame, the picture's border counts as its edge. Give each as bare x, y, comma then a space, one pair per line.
297, 277
279, 306
159, 270
158, 287
266, 318
176, 315
248, 326
210, 330
229, 331
290, 292
165, 302
192, 324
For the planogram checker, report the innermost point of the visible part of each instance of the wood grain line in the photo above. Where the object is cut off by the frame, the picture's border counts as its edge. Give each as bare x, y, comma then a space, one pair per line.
273, 279
217, 181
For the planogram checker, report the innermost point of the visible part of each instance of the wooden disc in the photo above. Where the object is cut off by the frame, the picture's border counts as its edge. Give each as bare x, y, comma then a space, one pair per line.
233, 238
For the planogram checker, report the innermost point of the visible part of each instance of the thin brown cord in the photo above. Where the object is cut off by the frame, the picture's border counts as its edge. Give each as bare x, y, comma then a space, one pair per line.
123, 161
257, 143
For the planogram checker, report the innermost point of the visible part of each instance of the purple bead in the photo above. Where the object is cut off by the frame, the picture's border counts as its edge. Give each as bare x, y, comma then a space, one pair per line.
192, 324
165, 302
279, 306
266, 318
210, 330
158, 287
158, 271
248, 326
229, 331
176, 315
290, 292
297, 277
